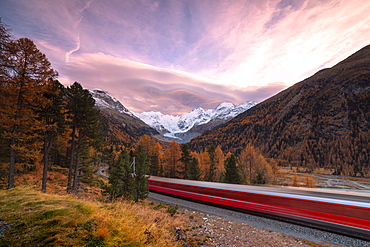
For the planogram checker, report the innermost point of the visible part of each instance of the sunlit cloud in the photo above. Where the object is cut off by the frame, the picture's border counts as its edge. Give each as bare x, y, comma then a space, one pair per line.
176, 55
142, 87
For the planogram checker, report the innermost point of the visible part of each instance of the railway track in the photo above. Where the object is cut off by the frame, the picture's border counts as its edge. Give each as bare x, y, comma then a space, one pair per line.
346, 214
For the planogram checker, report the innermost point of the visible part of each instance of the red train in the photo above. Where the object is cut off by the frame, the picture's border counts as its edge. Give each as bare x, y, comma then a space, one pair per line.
332, 211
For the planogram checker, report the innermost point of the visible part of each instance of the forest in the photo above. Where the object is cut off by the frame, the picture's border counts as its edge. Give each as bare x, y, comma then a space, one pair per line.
45, 125
321, 122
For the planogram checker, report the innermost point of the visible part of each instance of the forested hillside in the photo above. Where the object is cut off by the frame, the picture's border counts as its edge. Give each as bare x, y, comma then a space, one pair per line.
323, 121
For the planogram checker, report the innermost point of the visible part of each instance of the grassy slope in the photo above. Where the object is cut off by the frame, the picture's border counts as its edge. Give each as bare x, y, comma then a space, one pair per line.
30, 218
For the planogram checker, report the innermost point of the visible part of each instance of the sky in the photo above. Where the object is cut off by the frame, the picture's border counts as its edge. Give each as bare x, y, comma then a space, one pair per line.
175, 55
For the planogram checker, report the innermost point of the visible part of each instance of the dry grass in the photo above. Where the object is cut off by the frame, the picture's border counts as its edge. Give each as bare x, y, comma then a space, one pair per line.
30, 218
292, 177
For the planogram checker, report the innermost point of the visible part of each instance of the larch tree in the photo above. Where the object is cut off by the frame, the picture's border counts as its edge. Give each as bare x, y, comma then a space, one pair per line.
4, 143
255, 169
153, 149
204, 161
156, 160
172, 156
24, 74
219, 164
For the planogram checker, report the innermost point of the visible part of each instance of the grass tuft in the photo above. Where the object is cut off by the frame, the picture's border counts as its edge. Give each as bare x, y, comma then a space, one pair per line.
37, 219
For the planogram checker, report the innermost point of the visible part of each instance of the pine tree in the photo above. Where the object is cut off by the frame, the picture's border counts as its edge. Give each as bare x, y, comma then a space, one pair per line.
185, 159
85, 124
194, 172
51, 112
212, 166
24, 73
141, 190
231, 171
121, 180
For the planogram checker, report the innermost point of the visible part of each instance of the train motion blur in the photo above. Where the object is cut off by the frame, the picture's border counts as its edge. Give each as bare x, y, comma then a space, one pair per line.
346, 214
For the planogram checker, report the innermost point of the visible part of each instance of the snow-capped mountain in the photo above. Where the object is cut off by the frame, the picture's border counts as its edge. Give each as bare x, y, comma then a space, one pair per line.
104, 100
171, 126
181, 128
119, 124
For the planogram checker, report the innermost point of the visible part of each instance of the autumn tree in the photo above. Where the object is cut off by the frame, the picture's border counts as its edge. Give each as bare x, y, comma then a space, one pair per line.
172, 156
24, 73
219, 164
254, 167
154, 151
4, 143
156, 161
203, 162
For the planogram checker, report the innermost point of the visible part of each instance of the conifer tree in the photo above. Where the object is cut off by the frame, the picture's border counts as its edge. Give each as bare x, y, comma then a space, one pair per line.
219, 163
212, 166
85, 125
232, 175
121, 181
24, 73
51, 112
185, 159
141, 190
194, 172
4, 143
156, 160
172, 156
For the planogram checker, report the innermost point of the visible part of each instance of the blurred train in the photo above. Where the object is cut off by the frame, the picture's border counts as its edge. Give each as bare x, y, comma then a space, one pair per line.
343, 213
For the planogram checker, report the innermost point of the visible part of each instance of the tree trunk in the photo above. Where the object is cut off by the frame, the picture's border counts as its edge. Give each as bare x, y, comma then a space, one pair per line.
47, 145
75, 180
12, 162
70, 168
13, 140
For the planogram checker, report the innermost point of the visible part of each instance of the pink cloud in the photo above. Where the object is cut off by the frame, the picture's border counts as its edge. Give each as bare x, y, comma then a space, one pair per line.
231, 50
142, 87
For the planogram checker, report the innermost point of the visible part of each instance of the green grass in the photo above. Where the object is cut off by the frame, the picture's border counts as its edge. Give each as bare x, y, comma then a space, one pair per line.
30, 218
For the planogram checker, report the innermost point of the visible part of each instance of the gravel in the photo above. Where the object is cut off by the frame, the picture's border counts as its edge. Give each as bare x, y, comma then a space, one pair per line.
224, 217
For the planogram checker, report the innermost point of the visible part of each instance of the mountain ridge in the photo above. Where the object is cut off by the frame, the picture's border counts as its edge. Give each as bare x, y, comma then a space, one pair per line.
320, 121
119, 124
162, 126
180, 126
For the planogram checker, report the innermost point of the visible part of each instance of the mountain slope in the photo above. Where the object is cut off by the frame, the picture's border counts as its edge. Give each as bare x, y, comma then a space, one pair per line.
189, 125
323, 120
119, 124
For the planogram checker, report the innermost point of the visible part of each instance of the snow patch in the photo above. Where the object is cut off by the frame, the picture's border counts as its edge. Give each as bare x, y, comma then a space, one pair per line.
170, 125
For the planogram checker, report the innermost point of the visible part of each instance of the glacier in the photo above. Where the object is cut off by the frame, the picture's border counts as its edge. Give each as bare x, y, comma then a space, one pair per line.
170, 125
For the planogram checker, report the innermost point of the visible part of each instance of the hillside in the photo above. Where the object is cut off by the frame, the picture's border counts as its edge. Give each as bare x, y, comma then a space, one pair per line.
322, 121
119, 124
31, 218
